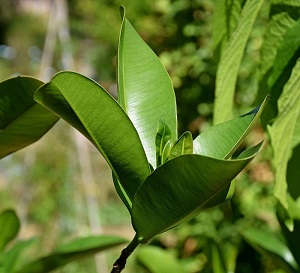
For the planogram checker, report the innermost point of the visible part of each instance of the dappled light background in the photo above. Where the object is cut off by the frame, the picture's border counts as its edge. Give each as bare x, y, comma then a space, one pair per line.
60, 186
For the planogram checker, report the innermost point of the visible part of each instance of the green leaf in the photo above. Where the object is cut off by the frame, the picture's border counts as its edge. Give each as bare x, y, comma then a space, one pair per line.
145, 88
90, 109
279, 24
9, 227
22, 120
184, 145
290, 6
180, 189
292, 236
293, 170
222, 140
75, 250
162, 142
229, 65
287, 55
274, 35
215, 257
270, 246
157, 260
286, 58
226, 15
9, 259
282, 131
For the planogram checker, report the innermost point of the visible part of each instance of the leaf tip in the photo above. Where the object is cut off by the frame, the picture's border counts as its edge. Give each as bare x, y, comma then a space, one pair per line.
122, 11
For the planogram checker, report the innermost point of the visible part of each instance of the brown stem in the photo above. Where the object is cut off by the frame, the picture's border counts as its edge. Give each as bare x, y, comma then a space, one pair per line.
120, 263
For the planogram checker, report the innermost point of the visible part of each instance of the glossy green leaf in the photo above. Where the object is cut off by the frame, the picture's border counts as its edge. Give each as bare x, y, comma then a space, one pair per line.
222, 140
22, 120
269, 245
75, 250
157, 260
9, 227
184, 145
90, 109
162, 142
282, 131
10, 258
180, 189
227, 192
145, 88
229, 65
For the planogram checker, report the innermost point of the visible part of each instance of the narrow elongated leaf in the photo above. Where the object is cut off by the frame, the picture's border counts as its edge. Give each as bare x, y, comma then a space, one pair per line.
163, 138
274, 34
145, 88
278, 25
184, 145
90, 109
75, 250
10, 258
291, 235
293, 170
286, 58
22, 120
9, 227
215, 257
179, 190
290, 6
283, 129
267, 244
226, 15
229, 65
157, 260
222, 140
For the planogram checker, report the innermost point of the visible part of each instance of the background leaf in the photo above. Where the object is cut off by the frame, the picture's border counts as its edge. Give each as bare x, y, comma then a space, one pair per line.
286, 58
225, 19
269, 245
10, 258
145, 88
229, 65
292, 236
22, 120
273, 37
216, 258
77, 249
9, 227
157, 260
90, 109
282, 131
197, 183
222, 140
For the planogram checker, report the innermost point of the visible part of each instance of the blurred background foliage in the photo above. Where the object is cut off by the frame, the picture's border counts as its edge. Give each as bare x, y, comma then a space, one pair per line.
61, 187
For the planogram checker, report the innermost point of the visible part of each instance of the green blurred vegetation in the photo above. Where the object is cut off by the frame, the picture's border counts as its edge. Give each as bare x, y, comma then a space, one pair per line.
44, 184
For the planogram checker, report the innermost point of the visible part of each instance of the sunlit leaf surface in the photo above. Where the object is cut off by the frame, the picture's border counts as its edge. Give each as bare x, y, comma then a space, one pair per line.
145, 88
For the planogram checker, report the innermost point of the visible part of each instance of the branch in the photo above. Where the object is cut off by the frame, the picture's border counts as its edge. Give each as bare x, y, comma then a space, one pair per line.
120, 263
